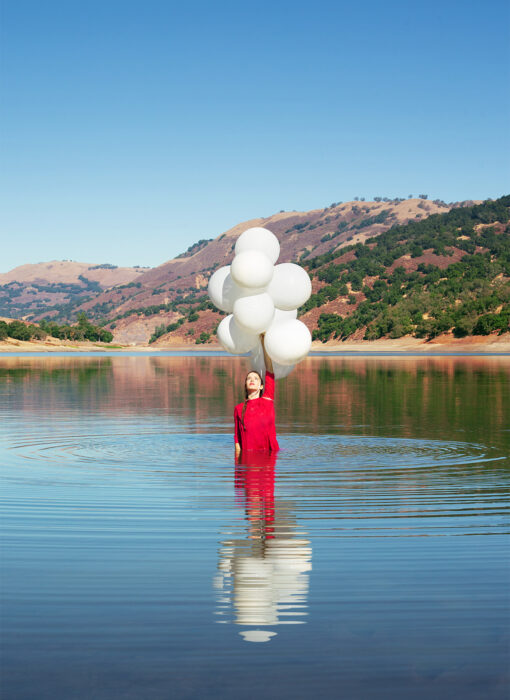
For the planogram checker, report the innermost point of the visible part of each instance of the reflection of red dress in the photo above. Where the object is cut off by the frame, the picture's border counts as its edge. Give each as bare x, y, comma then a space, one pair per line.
258, 431
254, 482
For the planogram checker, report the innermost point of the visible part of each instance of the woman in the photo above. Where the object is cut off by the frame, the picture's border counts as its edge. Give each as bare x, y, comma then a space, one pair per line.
254, 419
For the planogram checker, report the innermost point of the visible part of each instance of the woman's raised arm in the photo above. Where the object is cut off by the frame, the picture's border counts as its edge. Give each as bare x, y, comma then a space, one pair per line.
267, 360
269, 378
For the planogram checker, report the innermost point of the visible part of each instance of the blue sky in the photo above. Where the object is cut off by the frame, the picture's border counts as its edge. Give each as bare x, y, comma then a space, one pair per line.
129, 130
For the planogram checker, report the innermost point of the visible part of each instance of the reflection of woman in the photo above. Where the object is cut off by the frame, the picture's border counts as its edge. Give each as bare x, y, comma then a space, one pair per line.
254, 482
254, 418
264, 578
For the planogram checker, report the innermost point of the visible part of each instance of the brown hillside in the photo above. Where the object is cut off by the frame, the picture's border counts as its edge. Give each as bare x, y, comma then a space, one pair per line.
67, 272
38, 291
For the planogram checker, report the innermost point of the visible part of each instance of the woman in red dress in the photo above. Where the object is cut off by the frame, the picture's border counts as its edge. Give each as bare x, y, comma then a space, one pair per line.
254, 419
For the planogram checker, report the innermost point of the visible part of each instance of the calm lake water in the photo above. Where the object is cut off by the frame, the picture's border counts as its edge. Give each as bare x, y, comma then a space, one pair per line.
368, 560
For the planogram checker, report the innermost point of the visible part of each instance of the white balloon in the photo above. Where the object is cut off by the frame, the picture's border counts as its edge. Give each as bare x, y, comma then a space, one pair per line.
215, 287
257, 354
288, 343
234, 339
257, 359
282, 371
254, 313
260, 239
290, 286
281, 316
258, 364
223, 291
252, 269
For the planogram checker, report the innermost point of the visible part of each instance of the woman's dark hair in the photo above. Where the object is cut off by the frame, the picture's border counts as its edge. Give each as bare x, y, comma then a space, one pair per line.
246, 399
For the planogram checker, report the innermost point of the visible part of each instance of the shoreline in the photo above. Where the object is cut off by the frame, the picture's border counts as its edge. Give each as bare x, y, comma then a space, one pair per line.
445, 344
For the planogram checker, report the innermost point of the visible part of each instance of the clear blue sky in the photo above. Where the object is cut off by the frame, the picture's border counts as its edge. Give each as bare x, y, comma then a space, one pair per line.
131, 129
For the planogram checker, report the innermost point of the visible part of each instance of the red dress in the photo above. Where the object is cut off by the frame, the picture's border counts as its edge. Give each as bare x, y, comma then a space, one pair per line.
258, 431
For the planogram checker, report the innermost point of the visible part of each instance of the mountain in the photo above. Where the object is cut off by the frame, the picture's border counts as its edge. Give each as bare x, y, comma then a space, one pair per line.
55, 288
447, 273
356, 253
172, 291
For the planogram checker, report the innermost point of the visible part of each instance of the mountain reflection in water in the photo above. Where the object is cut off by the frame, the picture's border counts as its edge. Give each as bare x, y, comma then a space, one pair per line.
417, 396
264, 576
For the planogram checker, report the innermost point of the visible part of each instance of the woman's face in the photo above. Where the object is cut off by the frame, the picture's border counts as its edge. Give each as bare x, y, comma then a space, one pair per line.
253, 382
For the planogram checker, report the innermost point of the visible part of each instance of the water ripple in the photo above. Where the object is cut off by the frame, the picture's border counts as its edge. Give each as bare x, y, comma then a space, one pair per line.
326, 454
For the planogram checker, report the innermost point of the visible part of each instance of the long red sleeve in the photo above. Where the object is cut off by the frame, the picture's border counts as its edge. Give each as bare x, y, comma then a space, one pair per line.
269, 386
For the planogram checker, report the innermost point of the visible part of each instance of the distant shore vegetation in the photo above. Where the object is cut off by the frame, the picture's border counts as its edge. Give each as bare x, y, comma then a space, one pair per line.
82, 330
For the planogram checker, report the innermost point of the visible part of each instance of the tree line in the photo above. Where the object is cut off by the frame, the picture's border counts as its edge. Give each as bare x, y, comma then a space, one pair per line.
83, 330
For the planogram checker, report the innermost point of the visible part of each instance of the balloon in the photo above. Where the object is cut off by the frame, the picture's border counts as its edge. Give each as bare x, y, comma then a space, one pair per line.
288, 343
257, 359
281, 316
258, 364
260, 239
254, 313
234, 339
282, 371
215, 287
252, 269
223, 291
290, 286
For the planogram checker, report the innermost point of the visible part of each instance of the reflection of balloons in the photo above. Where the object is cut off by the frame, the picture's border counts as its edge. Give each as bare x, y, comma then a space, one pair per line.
258, 363
257, 635
288, 342
266, 590
251, 269
234, 339
290, 286
254, 313
260, 239
223, 291
253, 594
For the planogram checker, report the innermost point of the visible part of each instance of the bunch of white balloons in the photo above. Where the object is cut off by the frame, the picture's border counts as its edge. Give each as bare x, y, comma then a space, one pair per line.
262, 297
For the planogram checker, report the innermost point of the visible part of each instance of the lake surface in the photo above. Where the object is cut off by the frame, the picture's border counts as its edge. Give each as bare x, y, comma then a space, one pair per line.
368, 560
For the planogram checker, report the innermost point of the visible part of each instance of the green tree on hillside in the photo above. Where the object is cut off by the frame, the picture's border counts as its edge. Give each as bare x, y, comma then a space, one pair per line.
470, 296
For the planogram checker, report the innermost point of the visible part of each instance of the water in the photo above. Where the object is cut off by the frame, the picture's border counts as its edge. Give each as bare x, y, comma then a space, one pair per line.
369, 560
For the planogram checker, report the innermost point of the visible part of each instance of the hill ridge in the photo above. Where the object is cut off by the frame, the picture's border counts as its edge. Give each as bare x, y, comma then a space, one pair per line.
168, 303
